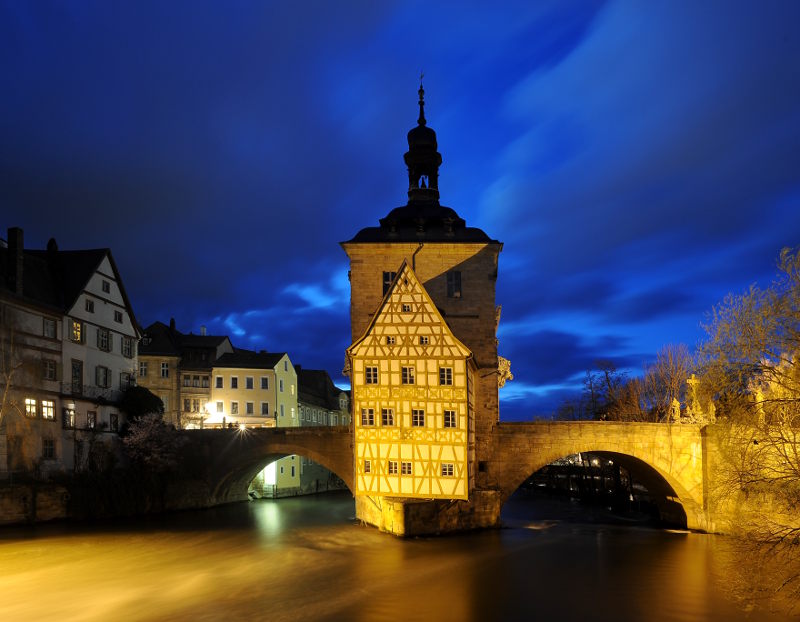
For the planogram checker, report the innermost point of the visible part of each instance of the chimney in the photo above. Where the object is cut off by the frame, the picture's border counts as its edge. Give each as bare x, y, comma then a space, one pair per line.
203, 330
172, 324
16, 249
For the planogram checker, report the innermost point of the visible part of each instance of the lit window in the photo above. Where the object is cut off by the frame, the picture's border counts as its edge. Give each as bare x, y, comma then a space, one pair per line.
91, 420
220, 407
387, 416
389, 340
187, 405
446, 375
234, 408
49, 369
218, 382
367, 466
89, 306
195, 406
418, 418
388, 277
447, 469
423, 340
265, 408
103, 339
406, 308
371, 375
106, 287
68, 418
127, 347
234, 382
204, 382
405, 468
248, 408
143, 369
248, 382
49, 328
291, 389
113, 419
264, 382
49, 410
454, 284
449, 418
118, 317
77, 334
407, 374
367, 416
391, 467
187, 380
48, 449
30, 407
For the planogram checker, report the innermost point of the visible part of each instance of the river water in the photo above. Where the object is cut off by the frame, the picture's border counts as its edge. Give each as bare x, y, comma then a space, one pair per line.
307, 559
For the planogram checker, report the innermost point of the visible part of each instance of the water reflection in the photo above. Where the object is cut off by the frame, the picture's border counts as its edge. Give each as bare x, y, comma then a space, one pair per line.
307, 559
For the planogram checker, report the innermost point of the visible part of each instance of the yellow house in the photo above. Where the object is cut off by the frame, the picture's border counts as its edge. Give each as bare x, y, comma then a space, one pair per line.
412, 384
253, 389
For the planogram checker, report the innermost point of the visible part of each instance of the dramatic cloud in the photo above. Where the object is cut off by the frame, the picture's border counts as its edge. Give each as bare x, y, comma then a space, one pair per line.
638, 160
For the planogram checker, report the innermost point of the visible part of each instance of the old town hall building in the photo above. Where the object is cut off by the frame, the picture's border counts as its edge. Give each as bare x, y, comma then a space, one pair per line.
423, 362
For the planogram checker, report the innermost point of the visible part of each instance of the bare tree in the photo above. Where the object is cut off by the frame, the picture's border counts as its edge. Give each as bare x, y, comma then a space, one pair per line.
750, 367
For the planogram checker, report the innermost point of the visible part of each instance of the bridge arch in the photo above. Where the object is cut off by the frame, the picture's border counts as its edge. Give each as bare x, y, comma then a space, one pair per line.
667, 460
236, 457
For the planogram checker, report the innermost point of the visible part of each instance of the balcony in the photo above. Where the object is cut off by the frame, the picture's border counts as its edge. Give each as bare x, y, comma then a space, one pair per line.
90, 392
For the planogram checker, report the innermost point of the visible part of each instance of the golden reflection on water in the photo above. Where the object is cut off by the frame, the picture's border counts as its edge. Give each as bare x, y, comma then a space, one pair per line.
305, 560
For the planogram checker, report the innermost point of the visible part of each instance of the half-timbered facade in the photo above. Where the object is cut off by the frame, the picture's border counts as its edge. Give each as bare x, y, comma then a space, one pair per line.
412, 399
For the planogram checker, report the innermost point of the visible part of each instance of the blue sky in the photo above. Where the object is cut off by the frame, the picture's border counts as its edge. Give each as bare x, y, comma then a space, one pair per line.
639, 160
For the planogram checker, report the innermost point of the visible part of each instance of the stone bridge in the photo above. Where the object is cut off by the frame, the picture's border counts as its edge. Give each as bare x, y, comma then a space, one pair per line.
671, 461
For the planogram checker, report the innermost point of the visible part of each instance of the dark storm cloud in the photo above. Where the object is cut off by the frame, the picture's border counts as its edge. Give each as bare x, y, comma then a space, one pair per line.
639, 161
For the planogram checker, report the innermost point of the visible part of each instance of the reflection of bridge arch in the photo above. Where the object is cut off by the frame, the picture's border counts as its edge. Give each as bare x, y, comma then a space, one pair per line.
234, 458
666, 459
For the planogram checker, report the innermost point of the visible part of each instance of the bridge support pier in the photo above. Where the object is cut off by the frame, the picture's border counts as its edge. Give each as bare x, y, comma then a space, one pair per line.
423, 517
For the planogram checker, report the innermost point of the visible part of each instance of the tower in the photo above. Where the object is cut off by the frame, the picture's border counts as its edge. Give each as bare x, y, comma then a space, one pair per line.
423, 362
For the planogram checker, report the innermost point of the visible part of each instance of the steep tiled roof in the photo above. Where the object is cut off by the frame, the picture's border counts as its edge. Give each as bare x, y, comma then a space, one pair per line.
314, 386
248, 359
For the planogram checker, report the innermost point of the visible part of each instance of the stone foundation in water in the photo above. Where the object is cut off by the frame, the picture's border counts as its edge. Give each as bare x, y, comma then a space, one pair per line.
421, 517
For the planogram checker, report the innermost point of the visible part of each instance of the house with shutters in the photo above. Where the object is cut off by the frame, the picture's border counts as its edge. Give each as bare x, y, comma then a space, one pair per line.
68, 340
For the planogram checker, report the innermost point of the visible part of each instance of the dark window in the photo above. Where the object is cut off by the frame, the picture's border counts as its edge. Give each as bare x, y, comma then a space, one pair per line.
407, 375
454, 284
106, 287
405, 468
114, 422
446, 375
371, 375
91, 420
48, 449
103, 339
387, 416
118, 317
234, 382
367, 416
49, 369
248, 382
418, 418
388, 277
89, 306
218, 382
449, 418
392, 467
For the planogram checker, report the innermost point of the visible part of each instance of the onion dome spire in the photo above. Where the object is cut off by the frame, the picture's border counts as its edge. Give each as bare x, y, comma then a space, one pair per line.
422, 158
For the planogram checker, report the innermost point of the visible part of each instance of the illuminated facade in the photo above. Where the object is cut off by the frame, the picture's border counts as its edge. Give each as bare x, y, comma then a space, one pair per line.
423, 366
412, 398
